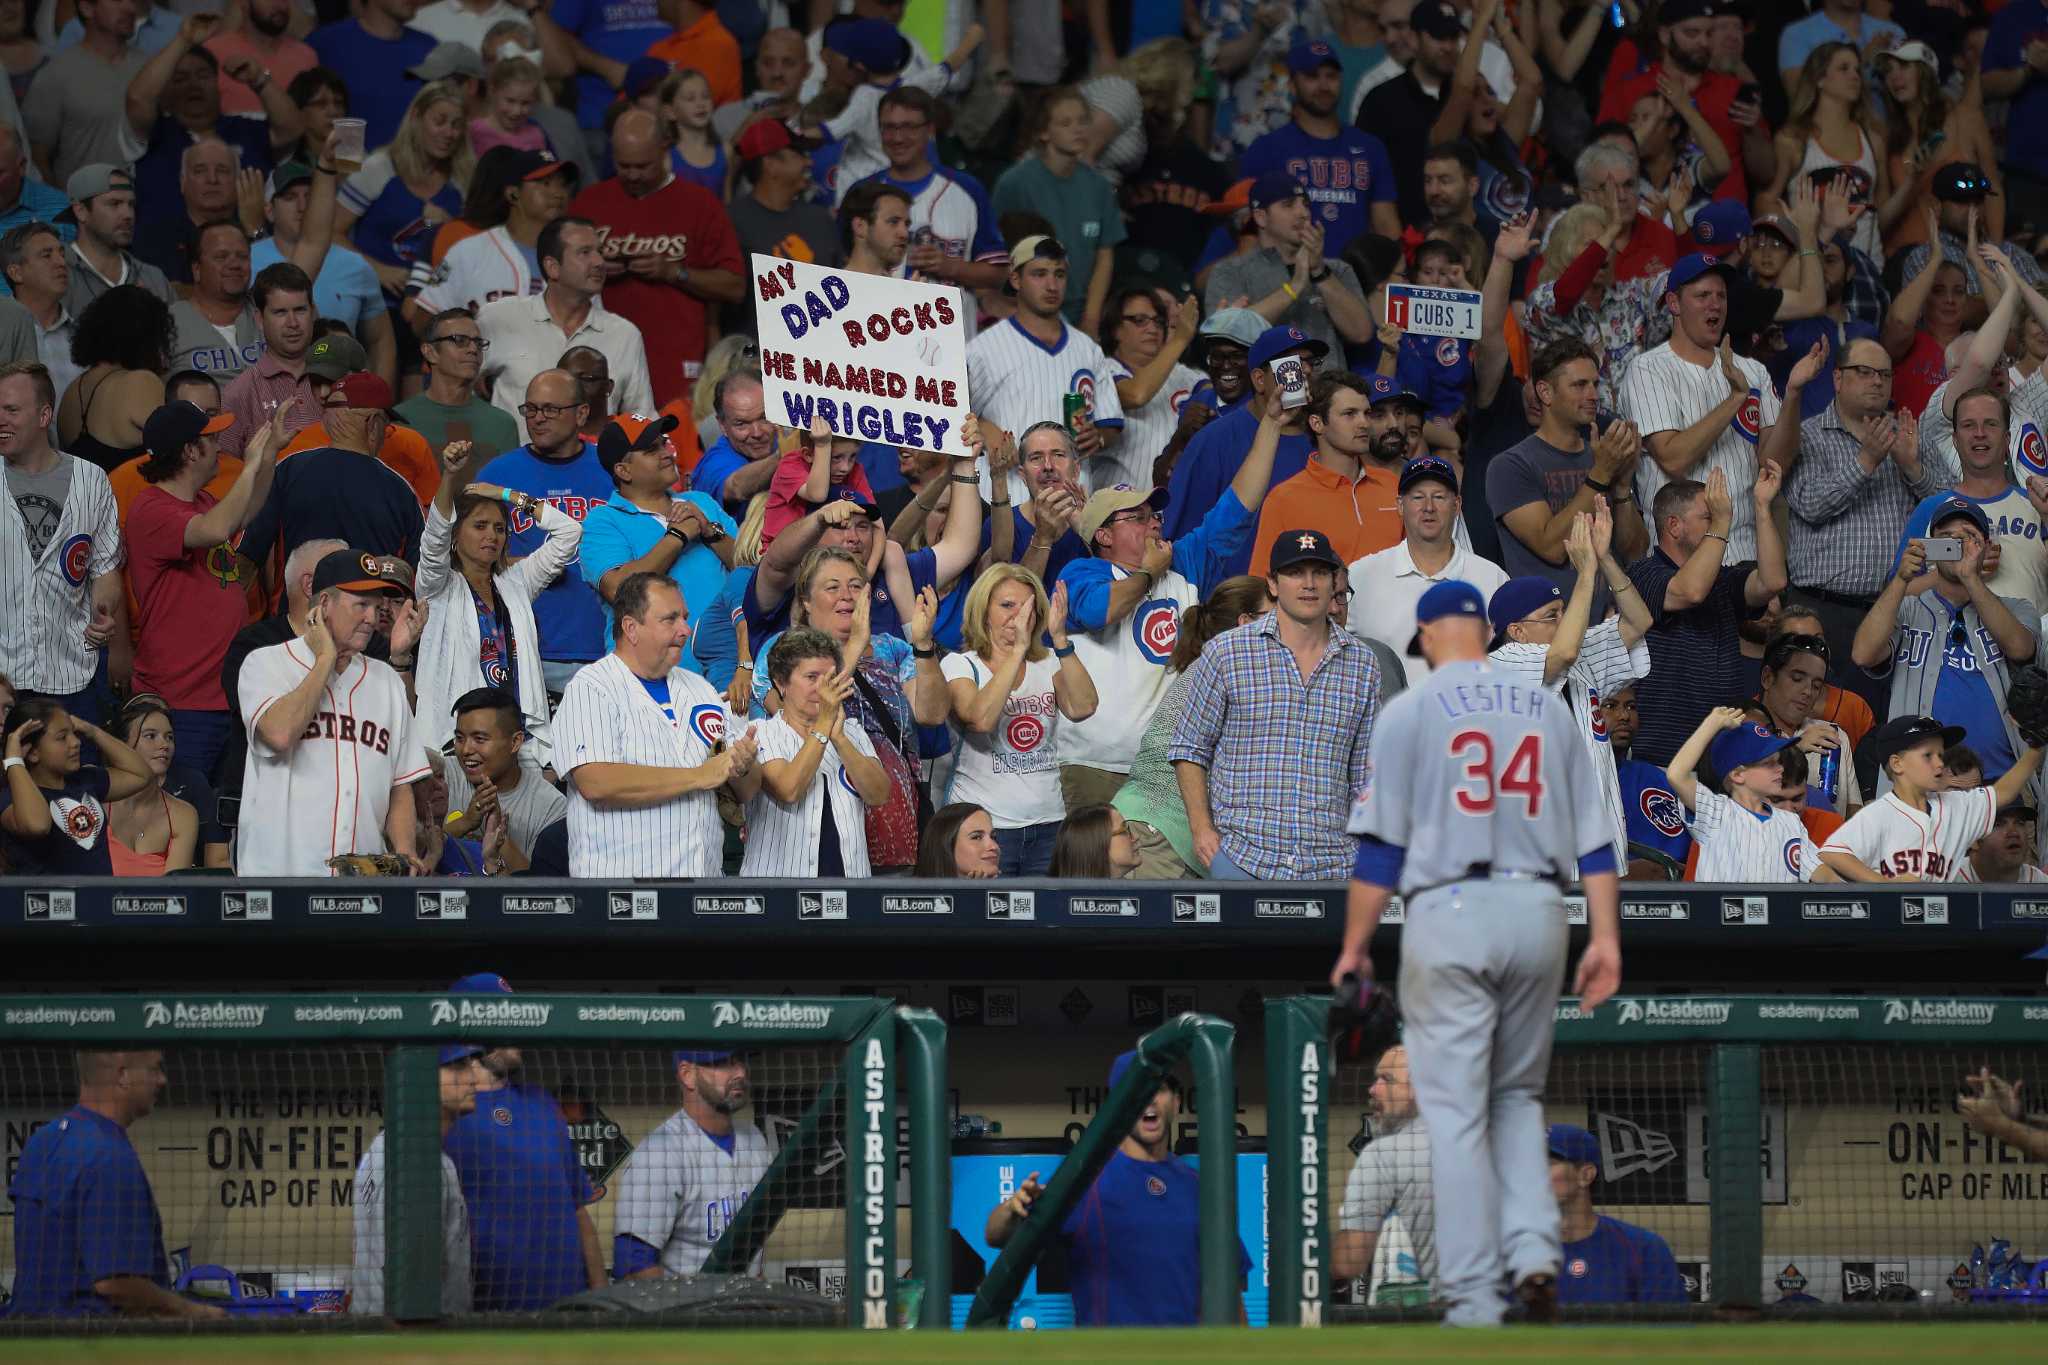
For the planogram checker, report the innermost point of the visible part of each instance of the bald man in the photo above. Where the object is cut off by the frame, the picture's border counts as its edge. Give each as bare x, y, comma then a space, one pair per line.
781, 65
670, 253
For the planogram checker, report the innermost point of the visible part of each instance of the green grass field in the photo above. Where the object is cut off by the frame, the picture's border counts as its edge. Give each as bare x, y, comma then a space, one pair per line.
1807, 1343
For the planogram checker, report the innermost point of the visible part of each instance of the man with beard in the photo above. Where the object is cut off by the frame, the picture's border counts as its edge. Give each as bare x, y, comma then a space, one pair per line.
1686, 36
284, 311
263, 40
526, 1189
1348, 490
1959, 192
1390, 1193
174, 101
874, 227
688, 1178
103, 207
1349, 176
1387, 585
1287, 277
74, 112
1131, 1248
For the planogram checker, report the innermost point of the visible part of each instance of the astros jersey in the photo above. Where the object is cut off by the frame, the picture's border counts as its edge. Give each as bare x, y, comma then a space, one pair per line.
1473, 741
1660, 392
1738, 845
1016, 380
330, 792
1604, 664
782, 841
1146, 431
679, 1189
1344, 175
607, 715
49, 555
476, 271
1891, 837
366, 1283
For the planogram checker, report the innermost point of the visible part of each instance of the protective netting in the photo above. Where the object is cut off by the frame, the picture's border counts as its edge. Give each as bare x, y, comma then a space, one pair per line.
562, 1168
1875, 1187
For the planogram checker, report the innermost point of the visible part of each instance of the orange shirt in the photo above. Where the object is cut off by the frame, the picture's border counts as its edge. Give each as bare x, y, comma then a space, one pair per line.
689, 449
1359, 518
708, 47
128, 484
404, 449
1849, 711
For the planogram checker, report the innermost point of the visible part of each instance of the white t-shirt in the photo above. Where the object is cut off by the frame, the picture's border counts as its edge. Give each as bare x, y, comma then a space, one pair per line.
782, 841
1386, 586
680, 1189
1011, 772
366, 1280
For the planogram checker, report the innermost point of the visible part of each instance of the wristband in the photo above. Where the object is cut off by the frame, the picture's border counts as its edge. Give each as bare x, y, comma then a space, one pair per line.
672, 531
1317, 278
505, 495
402, 665
1714, 535
925, 651
1289, 287
1598, 486
21, 763
963, 478
1065, 651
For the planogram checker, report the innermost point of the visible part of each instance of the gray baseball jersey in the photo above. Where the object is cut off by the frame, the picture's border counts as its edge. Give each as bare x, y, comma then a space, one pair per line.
680, 1189
1392, 1179
366, 1281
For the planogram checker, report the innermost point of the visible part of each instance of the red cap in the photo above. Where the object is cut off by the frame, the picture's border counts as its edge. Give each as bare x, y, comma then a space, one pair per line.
360, 390
1238, 196
764, 137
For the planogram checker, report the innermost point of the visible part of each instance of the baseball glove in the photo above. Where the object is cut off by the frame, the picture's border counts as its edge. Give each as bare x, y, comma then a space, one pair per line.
369, 865
1364, 1020
2027, 701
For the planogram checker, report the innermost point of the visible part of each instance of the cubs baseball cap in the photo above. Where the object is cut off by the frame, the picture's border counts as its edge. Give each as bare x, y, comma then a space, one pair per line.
354, 570
1107, 502
1776, 226
1312, 54
1237, 197
448, 59
1452, 597
335, 355
1121, 1067
360, 390
1380, 389
846, 492
1950, 508
481, 983
1302, 547
174, 426
1901, 733
643, 74
1275, 342
1239, 326
1961, 182
1719, 227
629, 432
1437, 19
1747, 744
1518, 599
1569, 1142
704, 1056
872, 43
459, 1052
1423, 468
1274, 186
539, 164
287, 174
1693, 267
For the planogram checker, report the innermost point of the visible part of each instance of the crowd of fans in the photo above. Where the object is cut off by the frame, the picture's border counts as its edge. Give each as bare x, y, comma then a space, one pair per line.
395, 478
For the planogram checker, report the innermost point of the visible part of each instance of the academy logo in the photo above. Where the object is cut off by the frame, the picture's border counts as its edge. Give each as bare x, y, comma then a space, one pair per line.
1965, 1013
1711, 1013
75, 559
498, 1012
1156, 627
1749, 420
781, 1014
206, 1014
707, 723
1024, 733
1628, 1148
1662, 810
2033, 452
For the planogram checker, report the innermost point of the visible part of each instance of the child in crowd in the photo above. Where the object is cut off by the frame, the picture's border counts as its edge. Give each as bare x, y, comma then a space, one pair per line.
510, 93
1742, 836
695, 153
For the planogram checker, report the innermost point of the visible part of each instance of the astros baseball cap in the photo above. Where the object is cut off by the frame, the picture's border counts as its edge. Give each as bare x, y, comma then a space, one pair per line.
1517, 599
1720, 227
360, 390
1569, 1142
629, 432
481, 983
1745, 745
335, 355
174, 426
354, 570
1302, 547
448, 59
704, 1056
1274, 186
539, 164
1693, 267
1312, 54
459, 1052
1951, 508
1901, 733
1107, 502
1275, 342
1426, 467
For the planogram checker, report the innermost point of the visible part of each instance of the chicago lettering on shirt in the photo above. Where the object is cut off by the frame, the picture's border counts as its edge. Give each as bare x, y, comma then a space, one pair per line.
209, 358
369, 734
1916, 645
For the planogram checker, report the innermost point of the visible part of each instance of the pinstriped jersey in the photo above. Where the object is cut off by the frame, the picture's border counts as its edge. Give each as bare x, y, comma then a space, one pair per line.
1663, 392
49, 555
1740, 845
1016, 380
680, 1189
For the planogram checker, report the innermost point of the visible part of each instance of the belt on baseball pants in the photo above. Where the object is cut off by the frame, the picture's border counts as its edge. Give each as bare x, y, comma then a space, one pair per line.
1481, 872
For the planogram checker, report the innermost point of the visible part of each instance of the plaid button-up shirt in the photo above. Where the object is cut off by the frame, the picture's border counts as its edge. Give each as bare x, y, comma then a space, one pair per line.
1845, 522
1285, 755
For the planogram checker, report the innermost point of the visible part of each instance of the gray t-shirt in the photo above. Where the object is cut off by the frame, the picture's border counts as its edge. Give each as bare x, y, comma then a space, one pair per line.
88, 284
529, 808
76, 110
1255, 274
40, 500
201, 345
761, 229
1392, 1179
18, 333
1534, 470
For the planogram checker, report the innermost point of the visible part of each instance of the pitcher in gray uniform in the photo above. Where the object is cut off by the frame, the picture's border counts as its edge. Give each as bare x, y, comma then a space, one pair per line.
1480, 805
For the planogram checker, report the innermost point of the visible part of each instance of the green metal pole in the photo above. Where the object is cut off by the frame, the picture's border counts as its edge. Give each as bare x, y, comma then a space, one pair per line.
803, 1152
871, 1175
412, 1183
921, 1037
1210, 1051
1735, 1208
1297, 1127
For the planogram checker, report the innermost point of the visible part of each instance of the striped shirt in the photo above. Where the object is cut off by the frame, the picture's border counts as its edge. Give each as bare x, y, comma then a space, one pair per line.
52, 548
1146, 431
1017, 379
1845, 520
1920, 645
1956, 251
1664, 392
1741, 845
1285, 756
782, 840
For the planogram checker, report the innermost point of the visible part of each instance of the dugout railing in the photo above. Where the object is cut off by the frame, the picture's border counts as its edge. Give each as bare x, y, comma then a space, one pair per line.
882, 1055
1792, 1150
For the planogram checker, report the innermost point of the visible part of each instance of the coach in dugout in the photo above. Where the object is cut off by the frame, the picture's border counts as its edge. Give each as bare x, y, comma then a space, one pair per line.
87, 1236
1605, 1259
688, 1178
1134, 1239
528, 1196
1390, 1188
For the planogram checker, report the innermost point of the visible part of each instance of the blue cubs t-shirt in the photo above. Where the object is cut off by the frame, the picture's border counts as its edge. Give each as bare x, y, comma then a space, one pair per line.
83, 1213
1656, 818
1438, 370
1619, 1263
567, 613
1345, 175
524, 1185
1134, 1246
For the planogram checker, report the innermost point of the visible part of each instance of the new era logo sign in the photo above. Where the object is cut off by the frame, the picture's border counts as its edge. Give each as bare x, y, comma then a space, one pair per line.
1923, 910
1626, 1148
634, 905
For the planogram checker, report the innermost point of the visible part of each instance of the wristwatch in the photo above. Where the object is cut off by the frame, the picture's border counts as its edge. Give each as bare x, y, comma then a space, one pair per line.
822, 738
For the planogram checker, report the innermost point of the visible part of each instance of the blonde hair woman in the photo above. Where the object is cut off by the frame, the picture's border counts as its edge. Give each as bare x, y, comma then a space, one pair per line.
1009, 688
417, 180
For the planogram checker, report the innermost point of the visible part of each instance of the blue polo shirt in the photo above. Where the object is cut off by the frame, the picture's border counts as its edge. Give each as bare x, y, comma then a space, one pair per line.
1134, 1246
616, 532
1205, 469
716, 636
83, 1213
347, 287
1619, 1263
524, 1184
719, 463
568, 614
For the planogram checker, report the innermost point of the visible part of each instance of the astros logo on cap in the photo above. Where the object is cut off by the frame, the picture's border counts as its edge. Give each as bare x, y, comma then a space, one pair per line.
1156, 628
370, 565
75, 559
707, 722
1663, 812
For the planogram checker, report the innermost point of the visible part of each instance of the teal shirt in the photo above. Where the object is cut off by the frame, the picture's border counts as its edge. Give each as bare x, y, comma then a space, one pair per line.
488, 425
1082, 209
1355, 62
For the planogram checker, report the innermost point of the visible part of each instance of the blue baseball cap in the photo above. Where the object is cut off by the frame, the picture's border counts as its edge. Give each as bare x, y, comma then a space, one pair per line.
1747, 744
481, 983
1126, 1060
704, 1056
1275, 342
1691, 268
1959, 507
1569, 1142
1274, 186
1720, 227
873, 43
643, 74
1452, 597
1380, 389
846, 492
456, 1052
1425, 467
1312, 54
1519, 598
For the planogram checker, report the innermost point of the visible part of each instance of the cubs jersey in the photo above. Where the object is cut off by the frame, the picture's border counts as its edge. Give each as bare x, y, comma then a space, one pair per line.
607, 715
1893, 838
329, 793
950, 209
366, 1279
1663, 392
1604, 664
679, 1189
49, 554
1016, 380
477, 270
1741, 845
1146, 431
782, 840
1651, 810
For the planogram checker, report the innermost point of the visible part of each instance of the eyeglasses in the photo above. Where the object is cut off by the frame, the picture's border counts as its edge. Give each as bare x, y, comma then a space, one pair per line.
1142, 320
1865, 371
548, 410
466, 342
1142, 517
1342, 595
